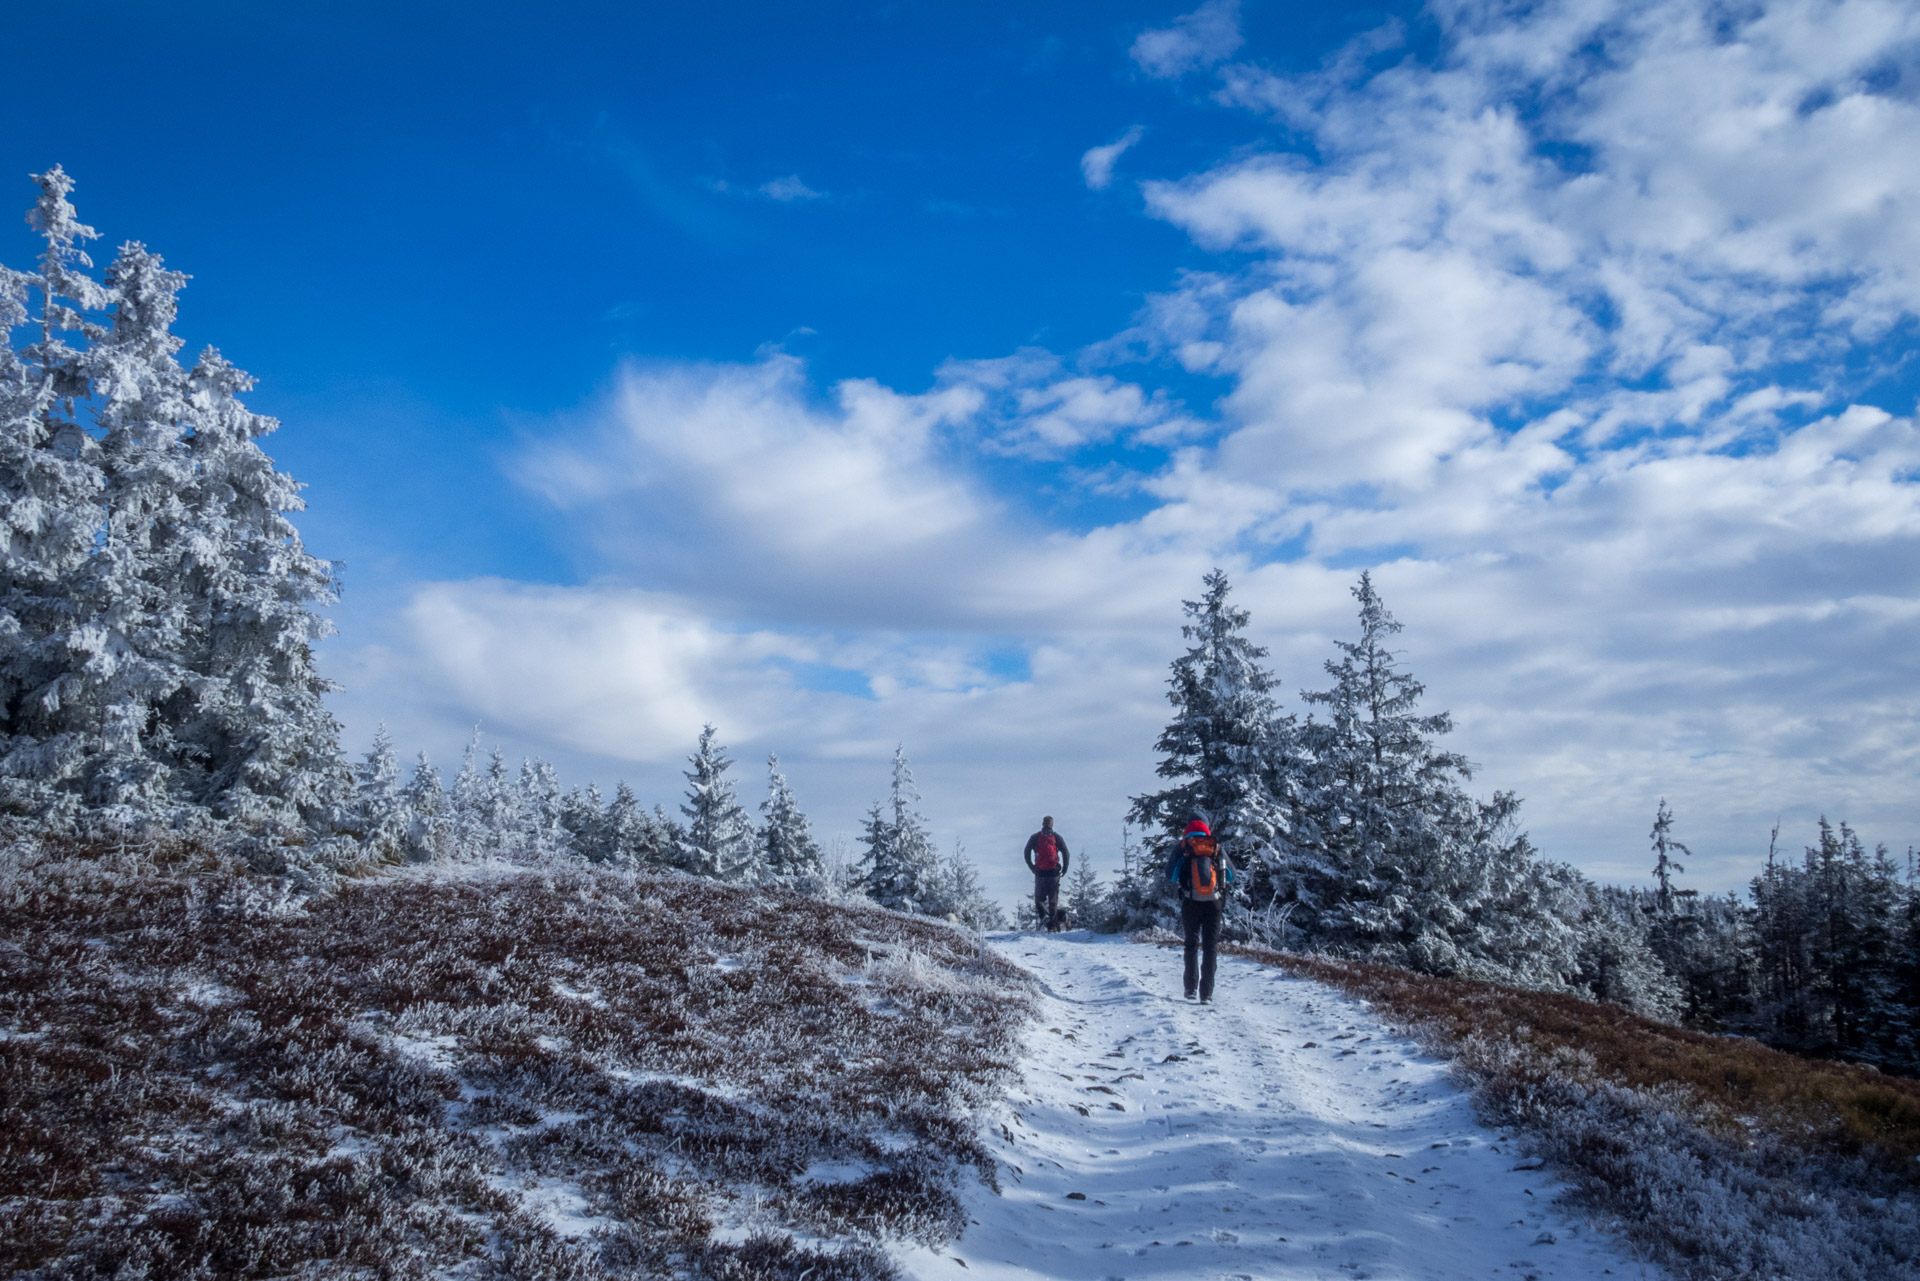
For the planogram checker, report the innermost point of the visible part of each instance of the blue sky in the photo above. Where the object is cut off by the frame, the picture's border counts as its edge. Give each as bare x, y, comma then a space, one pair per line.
867, 374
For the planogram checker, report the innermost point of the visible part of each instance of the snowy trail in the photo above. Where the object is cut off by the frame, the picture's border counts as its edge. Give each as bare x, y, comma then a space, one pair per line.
1214, 1142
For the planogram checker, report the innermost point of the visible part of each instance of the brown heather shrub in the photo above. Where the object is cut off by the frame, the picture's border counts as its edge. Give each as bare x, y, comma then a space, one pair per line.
1718, 1157
202, 1076
1818, 1103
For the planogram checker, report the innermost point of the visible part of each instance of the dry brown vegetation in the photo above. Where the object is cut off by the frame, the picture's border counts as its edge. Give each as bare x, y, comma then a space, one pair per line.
1720, 1157
542, 1073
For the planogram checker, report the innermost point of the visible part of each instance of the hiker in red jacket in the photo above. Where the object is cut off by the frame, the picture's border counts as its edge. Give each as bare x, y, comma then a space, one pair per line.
1202, 872
1047, 859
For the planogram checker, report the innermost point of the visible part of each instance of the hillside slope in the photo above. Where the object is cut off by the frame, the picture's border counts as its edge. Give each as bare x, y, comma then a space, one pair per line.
490, 1072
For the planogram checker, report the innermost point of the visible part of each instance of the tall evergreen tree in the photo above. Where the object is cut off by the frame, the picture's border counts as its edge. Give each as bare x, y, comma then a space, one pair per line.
50, 480
789, 856
137, 681
259, 722
719, 838
1665, 866
156, 646
1397, 860
1228, 752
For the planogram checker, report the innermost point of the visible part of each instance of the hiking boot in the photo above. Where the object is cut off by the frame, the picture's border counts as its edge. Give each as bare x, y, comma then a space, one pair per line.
1191, 996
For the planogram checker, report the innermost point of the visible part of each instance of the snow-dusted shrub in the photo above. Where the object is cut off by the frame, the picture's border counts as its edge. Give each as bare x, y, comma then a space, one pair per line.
555, 1071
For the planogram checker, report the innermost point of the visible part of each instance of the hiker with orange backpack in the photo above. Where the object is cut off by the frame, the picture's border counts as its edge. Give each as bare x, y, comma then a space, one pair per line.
1047, 859
1201, 870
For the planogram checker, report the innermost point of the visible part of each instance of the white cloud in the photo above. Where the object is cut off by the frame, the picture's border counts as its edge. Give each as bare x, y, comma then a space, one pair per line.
789, 189
1096, 166
1208, 35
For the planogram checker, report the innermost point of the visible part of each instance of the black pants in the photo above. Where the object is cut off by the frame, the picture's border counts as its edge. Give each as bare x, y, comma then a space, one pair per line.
1046, 897
1202, 923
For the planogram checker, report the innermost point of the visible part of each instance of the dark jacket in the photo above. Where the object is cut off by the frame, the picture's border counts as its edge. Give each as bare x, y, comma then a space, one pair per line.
1064, 856
1177, 864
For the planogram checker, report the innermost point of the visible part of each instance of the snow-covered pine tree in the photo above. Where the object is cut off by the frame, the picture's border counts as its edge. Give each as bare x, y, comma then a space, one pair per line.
164, 646
789, 856
429, 826
1782, 930
1228, 751
961, 896
583, 820
467, 816
1085, 898
1397, 861
270, 747
719, 838
137, 684
1142, 897
50, 481
1675, 935
503, 819
539, 804
379, 814
1665, 866
1615, 964
903, 868
636, 837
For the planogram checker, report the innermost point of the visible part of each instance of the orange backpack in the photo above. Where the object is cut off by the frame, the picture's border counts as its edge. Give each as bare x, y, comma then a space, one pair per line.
1203, 868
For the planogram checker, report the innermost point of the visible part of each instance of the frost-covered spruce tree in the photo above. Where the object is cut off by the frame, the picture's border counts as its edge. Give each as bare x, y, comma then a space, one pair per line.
1141, 897
50, 481
270, 747
379, 814
174, 646
583, 819
718, 840
137, 684
789, 856
961, 896
1399, 862
902, 866
1227, 751
488, 813
1665, 865
540, 797
1085, 898
636, 837
429, 825
1614, 962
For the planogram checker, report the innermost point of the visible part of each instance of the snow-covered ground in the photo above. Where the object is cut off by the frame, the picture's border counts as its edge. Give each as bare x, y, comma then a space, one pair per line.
1283, 1132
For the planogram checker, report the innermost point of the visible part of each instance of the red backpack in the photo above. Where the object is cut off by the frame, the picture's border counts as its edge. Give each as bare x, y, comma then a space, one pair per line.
1203, 868
1046, 853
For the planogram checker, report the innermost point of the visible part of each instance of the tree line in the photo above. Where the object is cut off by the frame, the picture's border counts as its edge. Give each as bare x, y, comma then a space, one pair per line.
1356, 835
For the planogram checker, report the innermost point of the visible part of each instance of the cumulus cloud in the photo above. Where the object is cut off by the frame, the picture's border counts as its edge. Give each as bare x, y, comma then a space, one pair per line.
1208, 35
1556, 331
1096, 166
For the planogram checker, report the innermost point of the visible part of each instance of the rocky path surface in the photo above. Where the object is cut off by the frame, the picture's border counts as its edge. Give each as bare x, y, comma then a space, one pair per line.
1283, 1132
